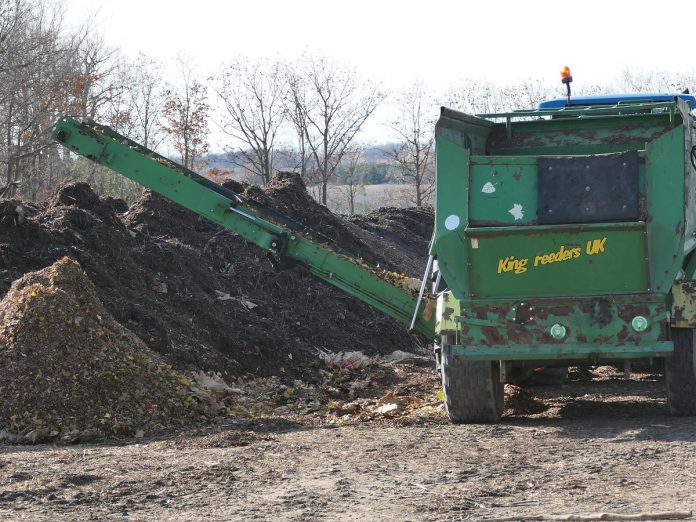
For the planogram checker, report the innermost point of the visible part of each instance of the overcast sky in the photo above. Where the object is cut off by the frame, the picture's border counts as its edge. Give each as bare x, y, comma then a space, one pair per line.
398, 41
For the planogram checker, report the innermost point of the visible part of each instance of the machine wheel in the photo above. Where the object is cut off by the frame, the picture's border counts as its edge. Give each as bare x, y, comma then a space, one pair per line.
473, 391
680, 374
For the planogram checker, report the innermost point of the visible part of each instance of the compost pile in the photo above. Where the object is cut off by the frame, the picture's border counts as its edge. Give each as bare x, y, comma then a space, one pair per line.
201, 296
400, 235
287, 195
71, 372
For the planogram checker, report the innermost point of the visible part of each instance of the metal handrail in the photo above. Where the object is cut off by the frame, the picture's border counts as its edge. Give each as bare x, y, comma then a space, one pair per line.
581, 110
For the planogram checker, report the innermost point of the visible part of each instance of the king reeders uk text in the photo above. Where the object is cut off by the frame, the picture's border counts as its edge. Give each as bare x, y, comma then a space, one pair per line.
520, 266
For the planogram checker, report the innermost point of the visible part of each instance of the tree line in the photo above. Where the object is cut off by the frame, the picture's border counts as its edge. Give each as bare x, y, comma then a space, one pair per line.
304, 115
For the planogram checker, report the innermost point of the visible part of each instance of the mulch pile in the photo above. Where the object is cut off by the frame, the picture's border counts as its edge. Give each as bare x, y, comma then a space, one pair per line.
201, 296
71, 372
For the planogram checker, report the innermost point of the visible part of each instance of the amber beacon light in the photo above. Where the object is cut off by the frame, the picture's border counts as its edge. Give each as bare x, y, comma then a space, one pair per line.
567, 77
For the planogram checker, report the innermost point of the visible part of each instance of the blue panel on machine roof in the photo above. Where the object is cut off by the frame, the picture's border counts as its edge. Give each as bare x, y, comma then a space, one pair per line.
613, 99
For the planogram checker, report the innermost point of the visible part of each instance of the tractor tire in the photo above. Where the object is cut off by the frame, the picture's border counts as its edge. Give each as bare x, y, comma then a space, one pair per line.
473, 391
680, 374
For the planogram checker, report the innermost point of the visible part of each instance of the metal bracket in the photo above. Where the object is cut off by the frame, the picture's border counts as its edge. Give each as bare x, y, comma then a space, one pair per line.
277, 256
424, 282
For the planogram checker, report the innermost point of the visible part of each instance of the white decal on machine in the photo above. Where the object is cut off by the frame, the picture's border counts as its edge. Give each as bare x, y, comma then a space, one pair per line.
488, 188
452, 222
516, 211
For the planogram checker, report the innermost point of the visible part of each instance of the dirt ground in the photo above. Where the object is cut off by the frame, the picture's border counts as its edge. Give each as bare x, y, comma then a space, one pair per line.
601, 444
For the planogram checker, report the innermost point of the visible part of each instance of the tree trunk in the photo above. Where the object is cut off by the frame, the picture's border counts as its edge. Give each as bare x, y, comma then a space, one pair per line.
8, 144
303, 159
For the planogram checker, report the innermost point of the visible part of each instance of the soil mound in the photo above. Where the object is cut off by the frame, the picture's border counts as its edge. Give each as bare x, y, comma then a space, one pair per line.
70, 371
78, 194
200, 295
14, 212
287, 194
155, 216
401, 235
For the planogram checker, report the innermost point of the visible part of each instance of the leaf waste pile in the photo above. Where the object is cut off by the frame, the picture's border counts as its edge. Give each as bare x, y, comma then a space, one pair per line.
71, 372
156, 285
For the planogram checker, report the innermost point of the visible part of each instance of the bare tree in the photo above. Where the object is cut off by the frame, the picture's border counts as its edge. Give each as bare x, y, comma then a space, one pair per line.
476, 97
186, 118
352, 162
252, 94
147, 94
128, 97
98, 84
335, 106
527, 94
414, 131
472, 96
102, 93
39, 73
656, 81
295, 106
13, 13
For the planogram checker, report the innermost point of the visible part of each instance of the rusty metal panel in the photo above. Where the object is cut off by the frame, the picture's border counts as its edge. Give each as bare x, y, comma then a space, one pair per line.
684, 304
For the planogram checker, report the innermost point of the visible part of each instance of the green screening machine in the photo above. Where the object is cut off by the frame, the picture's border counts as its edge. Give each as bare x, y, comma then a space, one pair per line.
563, 234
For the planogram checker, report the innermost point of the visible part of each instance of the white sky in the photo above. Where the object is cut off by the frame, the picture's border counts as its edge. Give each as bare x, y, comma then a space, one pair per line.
397, 42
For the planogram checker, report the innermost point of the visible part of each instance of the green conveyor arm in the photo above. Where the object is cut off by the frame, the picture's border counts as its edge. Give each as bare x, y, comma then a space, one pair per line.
257, 224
